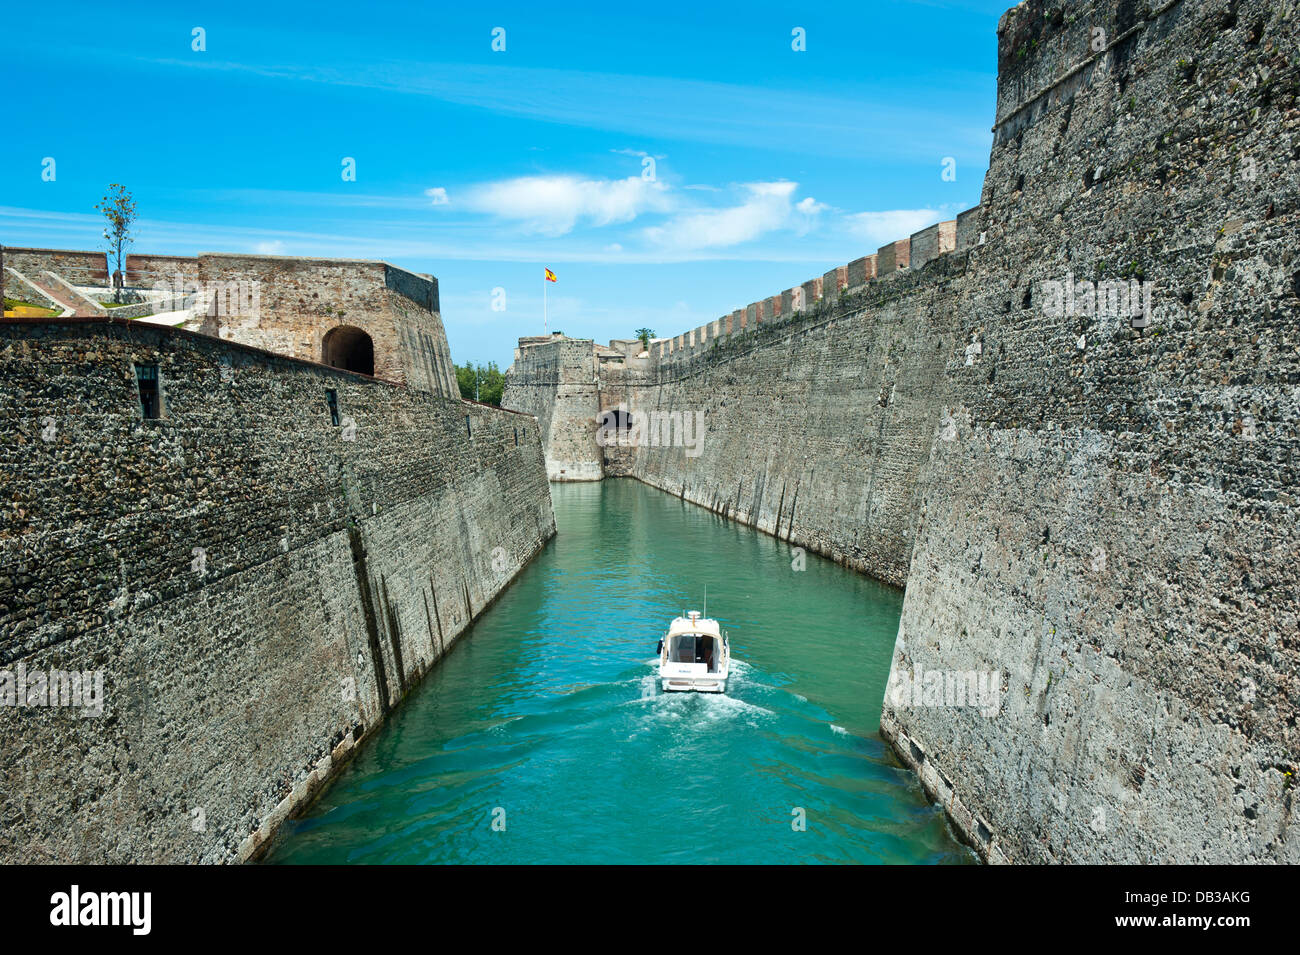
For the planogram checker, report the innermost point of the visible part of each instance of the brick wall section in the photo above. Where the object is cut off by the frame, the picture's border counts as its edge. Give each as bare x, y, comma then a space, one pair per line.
932, 242
833, 281
861, 271
968, 229
154, 271
77, 267
890, 258
327, 561
812, 291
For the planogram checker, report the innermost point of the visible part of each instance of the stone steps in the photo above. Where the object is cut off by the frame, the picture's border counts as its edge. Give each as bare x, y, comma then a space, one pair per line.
82, 304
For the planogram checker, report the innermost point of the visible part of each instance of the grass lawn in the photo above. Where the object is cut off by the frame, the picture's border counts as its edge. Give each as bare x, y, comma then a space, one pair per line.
17, 308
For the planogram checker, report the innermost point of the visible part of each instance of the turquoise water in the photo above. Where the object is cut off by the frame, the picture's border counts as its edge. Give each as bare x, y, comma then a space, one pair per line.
546, 718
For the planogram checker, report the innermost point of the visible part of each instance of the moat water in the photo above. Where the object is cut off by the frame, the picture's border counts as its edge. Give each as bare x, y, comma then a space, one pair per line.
543, 737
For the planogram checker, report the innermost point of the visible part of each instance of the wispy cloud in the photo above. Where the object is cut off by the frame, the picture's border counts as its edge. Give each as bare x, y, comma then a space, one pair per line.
881, 228
860, 123
767, 206
553, 205
534, 219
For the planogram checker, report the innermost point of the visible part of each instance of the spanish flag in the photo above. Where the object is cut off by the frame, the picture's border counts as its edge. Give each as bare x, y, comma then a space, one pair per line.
550, 276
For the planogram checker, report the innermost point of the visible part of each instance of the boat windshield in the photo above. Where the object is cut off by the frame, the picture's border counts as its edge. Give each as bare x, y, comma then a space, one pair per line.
694, 648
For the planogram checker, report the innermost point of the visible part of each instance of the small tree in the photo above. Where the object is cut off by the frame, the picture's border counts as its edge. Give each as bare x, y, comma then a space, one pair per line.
480, 383
645, 334
119, 209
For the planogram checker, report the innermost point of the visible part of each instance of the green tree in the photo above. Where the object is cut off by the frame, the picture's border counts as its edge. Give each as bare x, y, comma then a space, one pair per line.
645, 334
483, 383
118, 207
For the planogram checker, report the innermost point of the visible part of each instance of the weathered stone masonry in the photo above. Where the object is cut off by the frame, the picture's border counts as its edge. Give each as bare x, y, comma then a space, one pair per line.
297, 302
558, 380
259, 585
1113, 525
817, 425
1103, 515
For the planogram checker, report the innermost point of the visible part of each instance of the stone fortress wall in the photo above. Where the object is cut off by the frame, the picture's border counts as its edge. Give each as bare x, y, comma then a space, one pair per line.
259, 574
1110, 520
816, 422
818, 402
285, 304
555, 379
1096, 506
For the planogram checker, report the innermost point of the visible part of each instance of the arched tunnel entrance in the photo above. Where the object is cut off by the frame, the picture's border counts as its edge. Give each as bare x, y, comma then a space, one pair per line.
349, 348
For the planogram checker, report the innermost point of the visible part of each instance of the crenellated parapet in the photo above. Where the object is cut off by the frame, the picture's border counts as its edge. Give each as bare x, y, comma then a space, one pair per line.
904, 255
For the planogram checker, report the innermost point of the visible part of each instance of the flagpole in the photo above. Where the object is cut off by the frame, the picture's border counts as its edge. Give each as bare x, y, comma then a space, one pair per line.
546, 328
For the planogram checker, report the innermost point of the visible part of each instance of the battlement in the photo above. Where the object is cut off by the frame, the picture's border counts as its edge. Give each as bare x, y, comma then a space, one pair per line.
909, 254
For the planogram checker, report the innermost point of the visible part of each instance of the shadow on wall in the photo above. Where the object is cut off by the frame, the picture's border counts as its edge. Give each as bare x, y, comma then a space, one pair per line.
349, 348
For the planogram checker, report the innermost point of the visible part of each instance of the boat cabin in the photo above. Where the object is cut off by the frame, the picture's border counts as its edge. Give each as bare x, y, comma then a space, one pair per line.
694, 655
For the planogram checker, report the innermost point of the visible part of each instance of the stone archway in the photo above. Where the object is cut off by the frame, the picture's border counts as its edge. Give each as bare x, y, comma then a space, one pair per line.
349, 348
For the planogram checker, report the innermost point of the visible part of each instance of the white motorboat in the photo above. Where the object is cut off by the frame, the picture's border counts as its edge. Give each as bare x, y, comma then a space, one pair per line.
694, 655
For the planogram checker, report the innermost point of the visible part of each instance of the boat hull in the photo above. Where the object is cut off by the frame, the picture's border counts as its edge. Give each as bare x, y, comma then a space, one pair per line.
713, 683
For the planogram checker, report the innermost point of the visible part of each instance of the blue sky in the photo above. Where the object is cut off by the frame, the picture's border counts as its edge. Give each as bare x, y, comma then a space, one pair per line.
770, 165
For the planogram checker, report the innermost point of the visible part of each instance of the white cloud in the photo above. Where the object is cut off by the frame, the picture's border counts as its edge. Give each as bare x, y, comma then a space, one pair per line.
275, 247
553, 205
766, 207
881, 228
437, 196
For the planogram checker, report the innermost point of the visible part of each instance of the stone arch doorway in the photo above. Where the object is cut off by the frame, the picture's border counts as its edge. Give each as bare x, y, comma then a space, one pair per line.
349, 348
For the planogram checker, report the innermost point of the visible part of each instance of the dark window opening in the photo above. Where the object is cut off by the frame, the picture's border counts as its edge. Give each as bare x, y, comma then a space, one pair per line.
349, 348
516, 437
332, 399
146, 383
467, 428
695, 648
